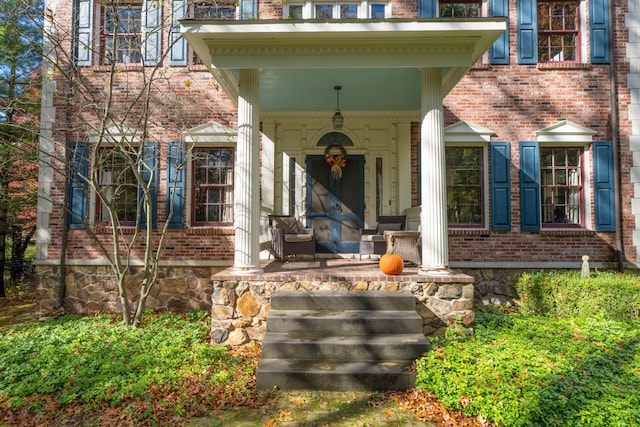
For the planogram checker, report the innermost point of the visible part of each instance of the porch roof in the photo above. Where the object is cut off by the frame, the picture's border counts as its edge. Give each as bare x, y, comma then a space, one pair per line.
376, 62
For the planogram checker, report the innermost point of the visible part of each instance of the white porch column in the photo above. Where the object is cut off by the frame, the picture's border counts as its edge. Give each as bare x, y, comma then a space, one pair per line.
433, 217
247, 176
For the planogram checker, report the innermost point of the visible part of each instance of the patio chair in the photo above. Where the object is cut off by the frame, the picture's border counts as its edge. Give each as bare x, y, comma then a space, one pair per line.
288, 237
372, 241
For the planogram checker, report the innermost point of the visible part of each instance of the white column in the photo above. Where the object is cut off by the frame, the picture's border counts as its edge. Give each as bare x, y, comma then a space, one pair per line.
247, 176
433, 216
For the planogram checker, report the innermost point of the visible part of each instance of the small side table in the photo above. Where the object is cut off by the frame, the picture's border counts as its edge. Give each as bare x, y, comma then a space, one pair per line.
404, 243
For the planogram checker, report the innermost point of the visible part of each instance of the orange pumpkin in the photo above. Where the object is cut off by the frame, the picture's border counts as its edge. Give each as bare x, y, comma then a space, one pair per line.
391, 264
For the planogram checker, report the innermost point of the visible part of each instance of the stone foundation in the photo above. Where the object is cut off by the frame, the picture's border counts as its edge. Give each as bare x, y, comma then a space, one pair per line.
92, 288
240, 307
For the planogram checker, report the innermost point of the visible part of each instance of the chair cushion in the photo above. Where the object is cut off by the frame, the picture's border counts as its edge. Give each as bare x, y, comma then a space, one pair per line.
293, 238
394, 226
372, 238
288, 224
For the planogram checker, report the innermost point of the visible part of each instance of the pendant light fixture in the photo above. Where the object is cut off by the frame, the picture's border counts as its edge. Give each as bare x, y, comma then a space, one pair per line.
337, 118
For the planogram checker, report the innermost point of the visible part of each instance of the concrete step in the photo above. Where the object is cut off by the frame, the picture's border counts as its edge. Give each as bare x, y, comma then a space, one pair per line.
344, 322
334, 376
344, 348
341, 341
343, 300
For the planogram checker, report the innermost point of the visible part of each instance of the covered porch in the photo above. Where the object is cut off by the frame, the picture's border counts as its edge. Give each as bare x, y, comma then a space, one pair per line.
288, 68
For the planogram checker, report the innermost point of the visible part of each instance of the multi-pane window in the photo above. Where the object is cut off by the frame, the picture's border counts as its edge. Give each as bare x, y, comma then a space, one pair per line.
460, 8
121, 33
213, 185
213, 10
558, 31
561, 185
119, 185
335, 10
464, 186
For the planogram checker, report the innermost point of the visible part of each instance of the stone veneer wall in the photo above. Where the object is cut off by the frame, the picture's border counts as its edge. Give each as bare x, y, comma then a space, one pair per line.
240, 307
92, 288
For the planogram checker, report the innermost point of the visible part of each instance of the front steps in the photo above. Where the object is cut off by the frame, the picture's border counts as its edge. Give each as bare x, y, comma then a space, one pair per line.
341, 341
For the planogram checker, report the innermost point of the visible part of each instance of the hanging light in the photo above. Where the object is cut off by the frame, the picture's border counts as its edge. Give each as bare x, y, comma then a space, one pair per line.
337, 118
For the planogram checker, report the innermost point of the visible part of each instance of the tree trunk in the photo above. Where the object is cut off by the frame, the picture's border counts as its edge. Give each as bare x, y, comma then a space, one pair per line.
18, 248
3, 235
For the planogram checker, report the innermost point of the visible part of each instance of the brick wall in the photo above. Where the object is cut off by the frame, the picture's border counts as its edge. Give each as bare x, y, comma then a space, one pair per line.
512, 100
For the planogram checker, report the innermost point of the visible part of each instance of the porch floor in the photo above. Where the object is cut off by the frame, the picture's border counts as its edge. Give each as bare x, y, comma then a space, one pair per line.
337, 270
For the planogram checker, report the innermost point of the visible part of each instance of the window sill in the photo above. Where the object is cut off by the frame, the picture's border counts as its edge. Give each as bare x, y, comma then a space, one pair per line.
119, 68
209, 231
563, 66
469, 232
567, 232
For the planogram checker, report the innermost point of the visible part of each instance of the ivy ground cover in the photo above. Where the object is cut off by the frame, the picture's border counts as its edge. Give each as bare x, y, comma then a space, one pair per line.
522, 370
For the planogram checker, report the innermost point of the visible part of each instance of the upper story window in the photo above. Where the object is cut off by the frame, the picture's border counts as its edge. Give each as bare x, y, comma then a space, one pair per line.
334, 10
121, 33
212, 185
212, 10
460, 8
558, 31
561, 186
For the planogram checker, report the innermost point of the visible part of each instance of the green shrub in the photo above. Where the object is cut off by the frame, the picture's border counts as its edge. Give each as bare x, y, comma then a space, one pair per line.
92, 360
521, 370
612, 296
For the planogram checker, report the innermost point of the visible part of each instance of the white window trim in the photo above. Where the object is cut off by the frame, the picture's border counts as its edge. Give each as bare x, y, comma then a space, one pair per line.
569, 134
467, 134
110, 137
308, 8
208, 135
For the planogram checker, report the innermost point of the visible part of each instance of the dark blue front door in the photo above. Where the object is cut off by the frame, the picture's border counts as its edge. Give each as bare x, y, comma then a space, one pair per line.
335, 205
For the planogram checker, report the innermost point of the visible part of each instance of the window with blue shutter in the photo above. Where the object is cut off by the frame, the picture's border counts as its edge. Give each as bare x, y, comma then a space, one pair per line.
175, 184
500, 185
149, 173
499, 52
152, 32
177, 43
603, 182
527, 32
529, 186
84, 33
599, 31
78, 173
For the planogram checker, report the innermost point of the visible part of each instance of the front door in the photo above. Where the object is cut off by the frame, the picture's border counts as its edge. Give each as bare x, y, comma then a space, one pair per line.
335, 204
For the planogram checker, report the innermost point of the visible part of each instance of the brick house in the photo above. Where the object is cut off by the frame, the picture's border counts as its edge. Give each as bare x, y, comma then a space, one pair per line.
524, 111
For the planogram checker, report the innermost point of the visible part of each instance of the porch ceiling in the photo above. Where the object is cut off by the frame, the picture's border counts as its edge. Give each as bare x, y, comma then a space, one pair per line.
376, 62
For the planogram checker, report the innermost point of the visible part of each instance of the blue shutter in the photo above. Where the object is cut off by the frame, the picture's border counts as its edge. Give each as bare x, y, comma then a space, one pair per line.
175, 184
604, 188
527, 32
177, 43
529, 186
149, 171
151, 32
84, 35
500, 186
78, 173
428, 9
599, 31
499, 52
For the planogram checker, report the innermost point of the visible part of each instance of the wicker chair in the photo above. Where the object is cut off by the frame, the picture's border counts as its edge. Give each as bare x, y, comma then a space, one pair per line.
289, 238
372, 241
